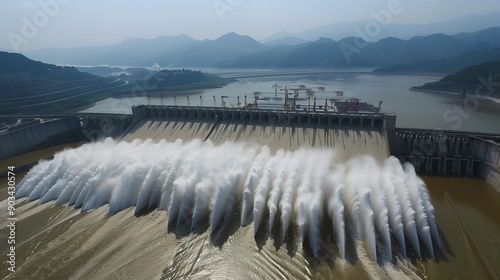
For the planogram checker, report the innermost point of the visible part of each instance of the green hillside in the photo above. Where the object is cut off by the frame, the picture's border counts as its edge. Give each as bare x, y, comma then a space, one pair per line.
28, 86
483, 78
178, 80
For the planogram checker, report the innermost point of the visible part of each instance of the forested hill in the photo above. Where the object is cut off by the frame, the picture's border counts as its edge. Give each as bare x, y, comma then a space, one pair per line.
33, 86
183, 79
28, 86
14, 62
483, 78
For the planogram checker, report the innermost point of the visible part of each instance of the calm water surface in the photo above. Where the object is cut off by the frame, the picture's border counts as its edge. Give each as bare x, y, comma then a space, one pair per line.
414, 109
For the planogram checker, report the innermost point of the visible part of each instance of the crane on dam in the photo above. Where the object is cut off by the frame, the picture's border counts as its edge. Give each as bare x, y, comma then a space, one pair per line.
223, 102
302, 97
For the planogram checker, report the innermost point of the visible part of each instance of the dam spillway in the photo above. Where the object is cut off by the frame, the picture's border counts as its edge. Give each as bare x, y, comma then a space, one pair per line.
349, 134
359, 194
277, 167
432, 152
403, 209
197, 181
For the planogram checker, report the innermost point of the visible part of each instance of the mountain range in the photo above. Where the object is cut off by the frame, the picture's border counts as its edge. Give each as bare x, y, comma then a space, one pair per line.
239, 51
338, 31
355, 52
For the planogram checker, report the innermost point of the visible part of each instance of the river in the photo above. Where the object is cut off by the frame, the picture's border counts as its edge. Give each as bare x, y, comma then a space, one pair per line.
414, 109
62, 243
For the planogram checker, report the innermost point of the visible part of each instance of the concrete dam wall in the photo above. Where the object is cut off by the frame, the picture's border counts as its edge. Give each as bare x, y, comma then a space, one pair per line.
433, 153
48, 130
26, 139
349, 134
449, 153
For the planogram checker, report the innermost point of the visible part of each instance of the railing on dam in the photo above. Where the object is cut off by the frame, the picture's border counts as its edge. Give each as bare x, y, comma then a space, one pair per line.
449, 153
286, 117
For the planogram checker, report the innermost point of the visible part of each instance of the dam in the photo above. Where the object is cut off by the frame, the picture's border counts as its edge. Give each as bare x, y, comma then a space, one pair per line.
240, 176
199, 162
439, 153
352, 133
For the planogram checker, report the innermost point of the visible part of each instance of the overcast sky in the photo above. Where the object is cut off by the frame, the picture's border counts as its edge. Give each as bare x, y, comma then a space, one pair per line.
28, 24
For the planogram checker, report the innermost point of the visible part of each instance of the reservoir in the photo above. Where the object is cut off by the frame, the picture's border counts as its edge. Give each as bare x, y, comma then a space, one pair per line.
414, 109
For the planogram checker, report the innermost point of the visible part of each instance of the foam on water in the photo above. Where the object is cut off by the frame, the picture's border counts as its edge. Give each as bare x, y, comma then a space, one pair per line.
197, 181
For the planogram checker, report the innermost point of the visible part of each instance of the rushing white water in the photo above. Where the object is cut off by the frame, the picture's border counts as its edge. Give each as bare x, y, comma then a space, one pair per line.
198, 181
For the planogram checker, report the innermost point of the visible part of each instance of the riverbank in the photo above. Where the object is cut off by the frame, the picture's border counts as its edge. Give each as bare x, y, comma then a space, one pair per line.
484, 100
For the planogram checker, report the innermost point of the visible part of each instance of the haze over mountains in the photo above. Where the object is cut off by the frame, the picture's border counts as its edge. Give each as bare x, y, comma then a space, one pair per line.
450, 52
354, 52
338, 31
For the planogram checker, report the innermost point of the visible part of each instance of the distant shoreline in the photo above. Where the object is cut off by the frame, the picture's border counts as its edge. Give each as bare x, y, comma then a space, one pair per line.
493, 100
409, 73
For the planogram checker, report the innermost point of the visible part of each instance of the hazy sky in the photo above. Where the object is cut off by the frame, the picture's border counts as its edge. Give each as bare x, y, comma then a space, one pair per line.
33, 24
